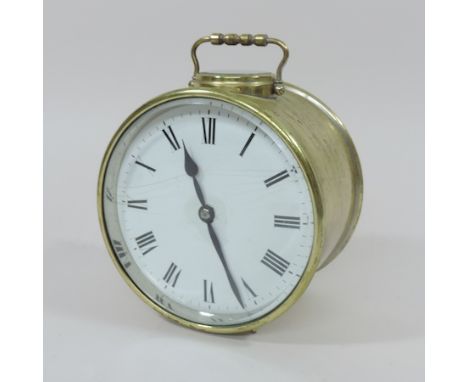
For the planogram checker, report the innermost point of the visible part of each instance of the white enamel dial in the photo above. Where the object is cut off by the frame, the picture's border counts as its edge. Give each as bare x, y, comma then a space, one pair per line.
208, 211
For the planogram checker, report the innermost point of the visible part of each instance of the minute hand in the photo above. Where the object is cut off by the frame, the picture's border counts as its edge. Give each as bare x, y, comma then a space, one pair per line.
217, 245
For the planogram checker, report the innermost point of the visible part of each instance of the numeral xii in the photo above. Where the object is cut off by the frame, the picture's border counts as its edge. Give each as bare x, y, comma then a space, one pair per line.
209, 130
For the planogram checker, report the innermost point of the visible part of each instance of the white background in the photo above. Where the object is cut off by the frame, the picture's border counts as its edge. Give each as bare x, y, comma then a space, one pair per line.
362, 318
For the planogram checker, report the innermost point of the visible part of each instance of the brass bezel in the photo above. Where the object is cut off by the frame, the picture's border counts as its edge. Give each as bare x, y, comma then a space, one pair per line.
301, 158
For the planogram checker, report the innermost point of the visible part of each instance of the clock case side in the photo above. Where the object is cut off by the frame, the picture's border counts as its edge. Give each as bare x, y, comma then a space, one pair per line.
327, 155
336, 165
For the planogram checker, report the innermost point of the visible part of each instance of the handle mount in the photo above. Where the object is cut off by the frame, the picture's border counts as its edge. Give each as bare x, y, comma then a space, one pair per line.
246, 40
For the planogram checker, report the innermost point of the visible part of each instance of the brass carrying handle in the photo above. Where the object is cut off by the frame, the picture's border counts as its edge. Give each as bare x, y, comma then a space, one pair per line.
247, 40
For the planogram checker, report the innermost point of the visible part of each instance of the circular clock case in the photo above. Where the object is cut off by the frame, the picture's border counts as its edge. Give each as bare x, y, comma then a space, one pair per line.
219, 202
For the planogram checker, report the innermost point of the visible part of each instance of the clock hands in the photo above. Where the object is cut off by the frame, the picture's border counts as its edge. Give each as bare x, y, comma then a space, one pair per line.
207, 215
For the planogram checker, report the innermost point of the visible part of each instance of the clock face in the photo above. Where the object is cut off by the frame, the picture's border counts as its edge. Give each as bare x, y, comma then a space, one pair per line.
208, 211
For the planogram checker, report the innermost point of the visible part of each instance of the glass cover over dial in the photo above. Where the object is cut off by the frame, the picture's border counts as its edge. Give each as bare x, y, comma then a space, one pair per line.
208, 211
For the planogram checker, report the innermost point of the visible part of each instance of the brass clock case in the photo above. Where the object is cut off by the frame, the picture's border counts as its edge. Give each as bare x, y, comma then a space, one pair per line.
319, 142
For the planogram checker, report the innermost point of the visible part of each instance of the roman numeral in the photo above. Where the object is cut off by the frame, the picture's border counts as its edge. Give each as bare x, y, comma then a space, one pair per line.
145, 240
276, 178
247, 286
160, 300
209, 130
138, 204
275, 262
171, 276
208, 294
145, 166
287, 221
248, 142
109, 196
118, 248
171, 138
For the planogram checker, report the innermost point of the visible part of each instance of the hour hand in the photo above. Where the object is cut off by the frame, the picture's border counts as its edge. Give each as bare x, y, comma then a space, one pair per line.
191, 168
